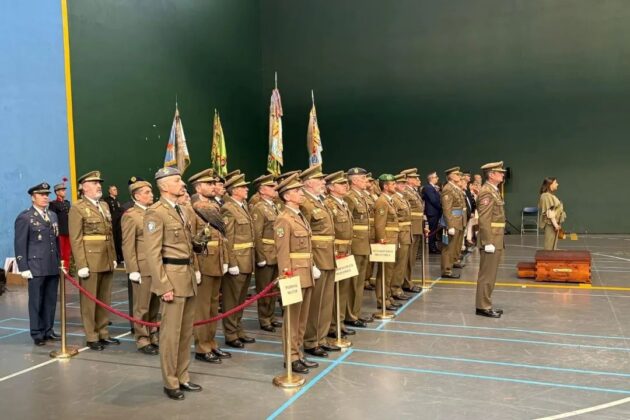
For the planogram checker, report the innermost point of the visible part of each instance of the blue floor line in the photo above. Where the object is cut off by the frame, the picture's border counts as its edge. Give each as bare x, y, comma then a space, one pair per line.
12, 334
309, 385
78, 324
409, 302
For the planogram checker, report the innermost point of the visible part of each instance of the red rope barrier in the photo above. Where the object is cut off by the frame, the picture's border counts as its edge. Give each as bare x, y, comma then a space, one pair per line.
263, 293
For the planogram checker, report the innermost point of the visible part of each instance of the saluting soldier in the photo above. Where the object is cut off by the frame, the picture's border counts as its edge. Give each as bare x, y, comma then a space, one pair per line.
418, 225
37, 256
491, 230
386, 231
90, 227
240, 238
146, 305
168, 232
403, 211
453, 205
292, 236
264, 215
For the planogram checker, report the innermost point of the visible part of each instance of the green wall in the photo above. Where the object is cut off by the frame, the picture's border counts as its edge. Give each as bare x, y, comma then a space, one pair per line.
130, 58
543, 85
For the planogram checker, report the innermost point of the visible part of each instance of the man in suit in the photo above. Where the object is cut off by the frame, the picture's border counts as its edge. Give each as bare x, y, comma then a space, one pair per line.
90, 227
168, 232
37, 255
61, 207
432, 209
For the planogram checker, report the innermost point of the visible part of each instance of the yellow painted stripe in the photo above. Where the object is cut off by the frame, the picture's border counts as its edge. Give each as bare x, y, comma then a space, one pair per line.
70, 117
575, 286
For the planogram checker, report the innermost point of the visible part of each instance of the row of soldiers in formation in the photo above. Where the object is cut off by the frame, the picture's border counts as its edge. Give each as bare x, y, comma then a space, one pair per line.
295, 224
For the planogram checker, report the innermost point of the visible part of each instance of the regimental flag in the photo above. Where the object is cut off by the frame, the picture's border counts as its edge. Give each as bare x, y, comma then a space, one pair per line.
176, 149
218, 155
313, 140
274, 159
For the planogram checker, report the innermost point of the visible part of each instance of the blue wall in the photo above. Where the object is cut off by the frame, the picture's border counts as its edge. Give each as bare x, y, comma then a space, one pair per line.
34, 135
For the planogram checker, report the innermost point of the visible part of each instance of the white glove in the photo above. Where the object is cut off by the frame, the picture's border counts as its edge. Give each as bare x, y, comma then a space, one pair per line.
234, 271
115, 264
135, 276
489, 249
316, 273
225, 268
84, 272
198, 276
26, 274
261, 264
451, 231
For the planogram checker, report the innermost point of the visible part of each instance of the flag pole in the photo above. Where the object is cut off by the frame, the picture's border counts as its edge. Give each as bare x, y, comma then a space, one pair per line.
313, 97
276, 79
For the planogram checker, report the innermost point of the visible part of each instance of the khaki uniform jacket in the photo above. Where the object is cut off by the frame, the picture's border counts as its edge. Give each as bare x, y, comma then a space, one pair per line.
371, 200
453, 206
320, 220
216, 253
264, 217
240, 235
403, 211
549, 201
292, 236
417, 210
132, 224
360, 210
91, 236
491, 216
342, 218
253, 200
166, 235
385, 220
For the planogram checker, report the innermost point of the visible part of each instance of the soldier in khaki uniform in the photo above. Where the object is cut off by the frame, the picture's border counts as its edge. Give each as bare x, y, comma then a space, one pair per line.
168, 232
362, 229
320, 218
491, 230
240, 237
418, 225
212, 265
453, 207
403, 211
264, 215
146, 305
292, 236
386, 231
370, 197
90, 226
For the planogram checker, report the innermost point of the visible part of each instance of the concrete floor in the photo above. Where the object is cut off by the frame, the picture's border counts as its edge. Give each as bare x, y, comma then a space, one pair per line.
558, 348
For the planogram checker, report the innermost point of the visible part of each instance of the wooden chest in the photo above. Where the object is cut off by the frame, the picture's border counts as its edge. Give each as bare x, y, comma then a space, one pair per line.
561, 265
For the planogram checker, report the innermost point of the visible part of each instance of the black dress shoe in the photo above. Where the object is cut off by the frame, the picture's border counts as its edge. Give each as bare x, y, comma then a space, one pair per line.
357, 323
208, 357
369, 287
414, 289
434, 251
190, 387
222, 354
450, 276
348, 332
330, 347
490, 313
269, 328
367, 319
298, 367
459, 265
237, 344
401, 297
174, 394
53, 336
309, 364
316, 351
389, 308
108, 341
500, 311
276, 324
247, 340
149, 349
95, 345
396, 305
333, 334
39, 342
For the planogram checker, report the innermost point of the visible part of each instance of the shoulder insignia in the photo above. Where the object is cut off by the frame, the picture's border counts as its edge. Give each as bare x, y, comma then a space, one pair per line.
151, 227
255, 216
485, 201
381, 211
280, 232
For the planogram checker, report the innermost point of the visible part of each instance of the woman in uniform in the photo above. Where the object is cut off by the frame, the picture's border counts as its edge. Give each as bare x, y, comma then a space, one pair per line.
551, 212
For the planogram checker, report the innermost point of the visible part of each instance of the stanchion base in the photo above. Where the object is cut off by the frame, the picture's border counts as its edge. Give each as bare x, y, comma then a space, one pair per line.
283, 381
59, 354
386, 315
340, 342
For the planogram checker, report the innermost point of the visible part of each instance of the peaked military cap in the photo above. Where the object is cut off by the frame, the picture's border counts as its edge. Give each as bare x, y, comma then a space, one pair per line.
42, 188
166, 172
285, 175
264, 180
289, 183
236, 181
207, 175
411, 173
90, 176
313, 172
454, 169
356, 171
494, 166
135, 182
338, 177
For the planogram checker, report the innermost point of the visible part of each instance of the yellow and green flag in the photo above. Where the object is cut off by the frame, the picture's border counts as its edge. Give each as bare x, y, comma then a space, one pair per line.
218, 155
274, 159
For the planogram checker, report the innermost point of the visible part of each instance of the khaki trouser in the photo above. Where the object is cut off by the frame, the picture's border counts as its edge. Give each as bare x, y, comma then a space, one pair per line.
266, 306
175, 335
550, 237
95, 318
413, 255
299, 317
355, 288
389, 274
206, 307
400, 270
234, 290
488, 267
370, 272
320, 310
451, 252
146, 306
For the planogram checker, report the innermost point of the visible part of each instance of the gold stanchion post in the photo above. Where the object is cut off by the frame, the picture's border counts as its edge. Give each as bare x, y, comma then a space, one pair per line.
384, 314
65, 352
425, 239
289, 380
339, 341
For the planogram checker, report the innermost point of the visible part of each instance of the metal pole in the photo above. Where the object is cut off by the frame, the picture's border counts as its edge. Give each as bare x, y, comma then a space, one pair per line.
423, 259
289, 380
339, 342
384, 313
65, 352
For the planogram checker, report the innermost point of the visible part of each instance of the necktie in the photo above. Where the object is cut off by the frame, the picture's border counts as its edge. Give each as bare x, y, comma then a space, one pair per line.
181, 214
100, 210
46, 218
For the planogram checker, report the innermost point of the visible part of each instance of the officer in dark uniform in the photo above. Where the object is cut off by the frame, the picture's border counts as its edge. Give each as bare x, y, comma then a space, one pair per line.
37, 254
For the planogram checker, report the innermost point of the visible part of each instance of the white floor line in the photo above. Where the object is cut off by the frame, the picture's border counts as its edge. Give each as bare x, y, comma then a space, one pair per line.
586, 410
23, 371
610, 256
